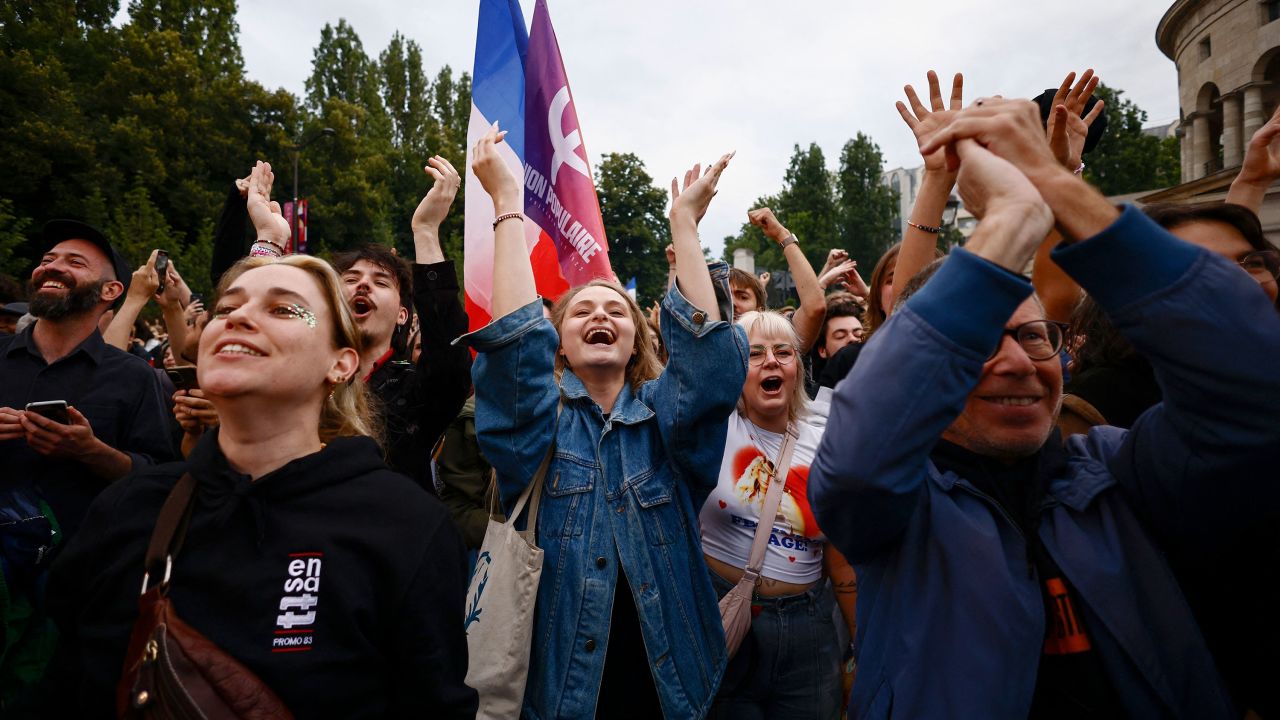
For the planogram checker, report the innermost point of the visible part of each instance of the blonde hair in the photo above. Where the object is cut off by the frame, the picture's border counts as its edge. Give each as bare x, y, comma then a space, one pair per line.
347, 411
644, 364
772, 324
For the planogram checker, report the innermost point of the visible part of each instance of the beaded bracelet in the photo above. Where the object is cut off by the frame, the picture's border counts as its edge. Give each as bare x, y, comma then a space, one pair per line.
926, 228
506, 216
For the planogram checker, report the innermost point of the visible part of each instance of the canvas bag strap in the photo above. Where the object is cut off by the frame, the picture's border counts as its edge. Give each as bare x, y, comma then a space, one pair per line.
772, 499
170, 529
534, 488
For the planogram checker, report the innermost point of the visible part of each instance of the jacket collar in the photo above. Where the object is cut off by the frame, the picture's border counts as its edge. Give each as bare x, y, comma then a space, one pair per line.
1074, 480
627, 409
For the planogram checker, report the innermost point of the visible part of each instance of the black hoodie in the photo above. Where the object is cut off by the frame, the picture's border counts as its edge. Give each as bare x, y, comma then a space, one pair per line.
338, 582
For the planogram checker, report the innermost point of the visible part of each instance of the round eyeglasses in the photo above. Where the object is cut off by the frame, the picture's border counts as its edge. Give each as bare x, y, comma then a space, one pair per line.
1039, 339
783, 354
1263, 265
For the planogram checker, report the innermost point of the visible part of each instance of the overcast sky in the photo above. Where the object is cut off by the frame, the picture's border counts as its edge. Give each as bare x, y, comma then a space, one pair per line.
681, 81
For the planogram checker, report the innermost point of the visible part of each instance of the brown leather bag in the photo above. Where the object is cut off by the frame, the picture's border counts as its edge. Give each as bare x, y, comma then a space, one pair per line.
171, 670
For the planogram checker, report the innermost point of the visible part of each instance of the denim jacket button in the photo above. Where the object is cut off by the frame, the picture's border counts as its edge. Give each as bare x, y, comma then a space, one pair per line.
590, 646
699, 317
601, 562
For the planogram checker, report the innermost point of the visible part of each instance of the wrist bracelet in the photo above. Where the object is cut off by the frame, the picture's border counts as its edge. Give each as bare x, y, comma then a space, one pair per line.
506, 216
1079, 169
262, 248
925, 228
788, 240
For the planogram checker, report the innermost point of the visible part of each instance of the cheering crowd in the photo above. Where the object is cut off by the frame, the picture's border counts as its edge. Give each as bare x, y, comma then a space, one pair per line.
1026, 478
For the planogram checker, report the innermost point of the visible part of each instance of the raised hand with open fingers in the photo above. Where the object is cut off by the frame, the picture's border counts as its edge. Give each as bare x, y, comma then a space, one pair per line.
699, 187
434, 207
926, 120
1068, 125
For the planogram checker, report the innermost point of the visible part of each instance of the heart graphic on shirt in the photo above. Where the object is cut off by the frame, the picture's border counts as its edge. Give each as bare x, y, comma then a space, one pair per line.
723, 505
792, 558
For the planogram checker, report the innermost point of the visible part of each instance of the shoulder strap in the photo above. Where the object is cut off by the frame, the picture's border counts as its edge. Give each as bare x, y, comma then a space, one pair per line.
171, 528
772, 499
534, 488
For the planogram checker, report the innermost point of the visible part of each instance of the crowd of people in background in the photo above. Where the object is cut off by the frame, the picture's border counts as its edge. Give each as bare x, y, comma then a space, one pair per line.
1026, 477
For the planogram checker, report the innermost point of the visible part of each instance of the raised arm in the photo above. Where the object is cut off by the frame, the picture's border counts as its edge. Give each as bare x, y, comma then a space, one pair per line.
173, 301
813, 306
920, 237
687, 208
1261, 167
866, 480
707, 353
444, 369
142, 287
516, 392
513, 285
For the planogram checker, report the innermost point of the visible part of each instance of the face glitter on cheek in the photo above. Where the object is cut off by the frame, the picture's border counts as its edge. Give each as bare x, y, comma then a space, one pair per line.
305, 315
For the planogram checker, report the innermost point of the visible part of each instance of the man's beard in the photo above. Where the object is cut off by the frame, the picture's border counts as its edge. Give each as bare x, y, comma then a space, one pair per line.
79, 299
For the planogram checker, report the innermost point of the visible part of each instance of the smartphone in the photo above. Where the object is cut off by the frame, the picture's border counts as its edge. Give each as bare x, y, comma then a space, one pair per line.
162, 269
55, 410
183, 377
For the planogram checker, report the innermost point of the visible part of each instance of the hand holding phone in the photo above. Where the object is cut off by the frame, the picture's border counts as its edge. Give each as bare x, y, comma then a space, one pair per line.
55, 410
183, 377
162, 269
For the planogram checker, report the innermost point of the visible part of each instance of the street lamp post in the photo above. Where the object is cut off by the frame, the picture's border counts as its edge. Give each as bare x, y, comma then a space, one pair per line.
297, 152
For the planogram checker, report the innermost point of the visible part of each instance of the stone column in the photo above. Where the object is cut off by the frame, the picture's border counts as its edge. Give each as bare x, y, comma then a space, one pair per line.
1200, 145
1232, 142
1255, 116
1185, 150
745, 259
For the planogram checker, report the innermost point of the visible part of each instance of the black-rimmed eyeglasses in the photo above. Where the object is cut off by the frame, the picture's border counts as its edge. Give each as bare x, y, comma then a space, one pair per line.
1039, 339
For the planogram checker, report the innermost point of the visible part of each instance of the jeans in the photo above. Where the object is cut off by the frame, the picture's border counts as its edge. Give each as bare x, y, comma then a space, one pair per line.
788, 665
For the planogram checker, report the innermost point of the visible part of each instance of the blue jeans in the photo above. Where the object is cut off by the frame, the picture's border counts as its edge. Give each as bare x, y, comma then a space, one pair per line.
789, 664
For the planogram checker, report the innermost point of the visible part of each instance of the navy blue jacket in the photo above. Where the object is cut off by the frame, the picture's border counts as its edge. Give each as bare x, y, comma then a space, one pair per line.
950, 620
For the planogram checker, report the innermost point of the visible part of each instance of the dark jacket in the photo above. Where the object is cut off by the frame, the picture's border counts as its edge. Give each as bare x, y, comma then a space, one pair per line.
373, 630
463, 475
419, 401
951, 621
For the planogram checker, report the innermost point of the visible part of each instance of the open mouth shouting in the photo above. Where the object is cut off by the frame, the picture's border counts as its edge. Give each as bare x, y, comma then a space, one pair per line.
600, 335
771, 384
362, 307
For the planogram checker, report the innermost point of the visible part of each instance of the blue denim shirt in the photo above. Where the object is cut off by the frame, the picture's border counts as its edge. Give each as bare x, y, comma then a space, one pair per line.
626, 489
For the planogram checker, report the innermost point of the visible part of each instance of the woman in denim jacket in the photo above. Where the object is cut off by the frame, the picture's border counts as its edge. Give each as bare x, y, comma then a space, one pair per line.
637, 450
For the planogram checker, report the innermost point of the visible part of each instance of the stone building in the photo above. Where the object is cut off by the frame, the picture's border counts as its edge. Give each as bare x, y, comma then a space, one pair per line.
1227, 53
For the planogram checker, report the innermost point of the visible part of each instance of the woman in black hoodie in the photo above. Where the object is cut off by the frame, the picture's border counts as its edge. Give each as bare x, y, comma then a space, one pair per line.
336, 581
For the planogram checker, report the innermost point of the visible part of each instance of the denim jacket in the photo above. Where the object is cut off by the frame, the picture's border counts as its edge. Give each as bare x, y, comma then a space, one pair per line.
626, 489
951, 621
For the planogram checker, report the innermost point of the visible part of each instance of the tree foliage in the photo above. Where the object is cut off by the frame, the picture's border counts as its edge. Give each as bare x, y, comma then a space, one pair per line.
140, 128
1127, 160
849, 208
635, 221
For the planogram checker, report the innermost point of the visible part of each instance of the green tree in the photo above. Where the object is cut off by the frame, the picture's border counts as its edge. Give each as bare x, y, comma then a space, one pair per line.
13, 235
1127, 160
867, 205
635, 222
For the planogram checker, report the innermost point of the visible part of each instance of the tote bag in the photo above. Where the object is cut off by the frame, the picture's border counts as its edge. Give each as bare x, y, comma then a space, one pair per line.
500, 606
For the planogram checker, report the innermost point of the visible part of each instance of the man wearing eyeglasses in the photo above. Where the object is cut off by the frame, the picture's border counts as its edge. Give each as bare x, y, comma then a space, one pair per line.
1003, 572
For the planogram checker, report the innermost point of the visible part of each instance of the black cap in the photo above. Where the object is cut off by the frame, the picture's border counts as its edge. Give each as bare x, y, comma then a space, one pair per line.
56, 231
1096, 130
14, 308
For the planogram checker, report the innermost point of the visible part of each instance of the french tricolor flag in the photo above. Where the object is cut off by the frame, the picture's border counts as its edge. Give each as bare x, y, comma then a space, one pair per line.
519, 81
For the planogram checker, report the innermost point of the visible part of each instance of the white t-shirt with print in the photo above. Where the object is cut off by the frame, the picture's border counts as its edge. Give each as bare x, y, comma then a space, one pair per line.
730, 515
